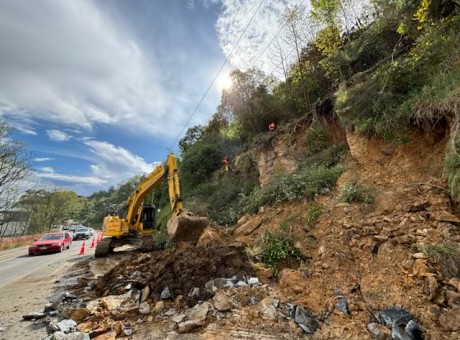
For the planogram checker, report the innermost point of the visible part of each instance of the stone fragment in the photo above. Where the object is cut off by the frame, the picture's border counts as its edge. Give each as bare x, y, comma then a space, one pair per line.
178, 318
112, 335
72, 336
445, 216
144, 295
67, 326
341, 302
241, 284
210, 286
178, 301
377, 331
253, 281
266, 308
392, 315
188, 326
165, 294
196, 317
114, 302
69, 296
305, 321
77, 314
222, 302
159, 307
248, 227
170, 312
198, 312
144, 308
195, 292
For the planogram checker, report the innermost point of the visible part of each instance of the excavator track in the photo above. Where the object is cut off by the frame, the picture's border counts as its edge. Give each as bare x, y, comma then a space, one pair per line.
147, 244
103, 248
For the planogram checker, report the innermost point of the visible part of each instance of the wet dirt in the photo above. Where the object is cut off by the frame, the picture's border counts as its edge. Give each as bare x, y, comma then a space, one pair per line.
179, 270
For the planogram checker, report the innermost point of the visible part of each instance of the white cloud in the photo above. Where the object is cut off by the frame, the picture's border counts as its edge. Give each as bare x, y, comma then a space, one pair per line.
43, 159
109, 165
115, 164
266, 24
68, 63
47, 169
57, 136
87, 180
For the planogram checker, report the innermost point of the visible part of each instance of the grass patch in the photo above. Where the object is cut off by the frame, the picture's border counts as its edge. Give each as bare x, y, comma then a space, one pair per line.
355, 193
447, 255
313, 215
277, 247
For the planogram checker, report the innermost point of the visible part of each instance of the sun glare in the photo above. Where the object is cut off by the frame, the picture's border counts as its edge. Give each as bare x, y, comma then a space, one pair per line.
225, 82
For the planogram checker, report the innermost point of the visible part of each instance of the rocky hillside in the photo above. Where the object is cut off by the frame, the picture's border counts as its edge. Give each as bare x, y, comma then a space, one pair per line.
380, 261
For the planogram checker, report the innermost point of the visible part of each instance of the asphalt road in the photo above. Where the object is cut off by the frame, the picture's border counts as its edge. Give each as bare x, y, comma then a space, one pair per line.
17, 265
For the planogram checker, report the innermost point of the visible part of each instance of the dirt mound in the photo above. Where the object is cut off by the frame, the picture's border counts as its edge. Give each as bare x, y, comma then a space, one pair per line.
179, 270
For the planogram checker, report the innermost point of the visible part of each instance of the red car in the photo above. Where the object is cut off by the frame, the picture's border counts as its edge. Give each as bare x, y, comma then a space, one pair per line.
51, 242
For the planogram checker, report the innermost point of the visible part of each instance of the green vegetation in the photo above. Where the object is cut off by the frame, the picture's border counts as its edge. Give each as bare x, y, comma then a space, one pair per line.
277, 247
313, 215
393, 68
355, 193
447, 255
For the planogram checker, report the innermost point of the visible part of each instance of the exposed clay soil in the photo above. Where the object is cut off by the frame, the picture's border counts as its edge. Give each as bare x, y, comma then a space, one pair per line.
371, 252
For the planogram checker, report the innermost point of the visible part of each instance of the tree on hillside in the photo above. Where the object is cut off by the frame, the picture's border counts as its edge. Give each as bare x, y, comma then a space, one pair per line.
192, 135
49, 208
294, 17
249, 102
15, 166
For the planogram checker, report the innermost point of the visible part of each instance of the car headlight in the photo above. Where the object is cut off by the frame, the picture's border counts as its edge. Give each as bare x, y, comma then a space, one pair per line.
55, 244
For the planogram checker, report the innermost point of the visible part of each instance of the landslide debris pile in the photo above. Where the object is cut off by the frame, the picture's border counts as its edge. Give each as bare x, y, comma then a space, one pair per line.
180, 270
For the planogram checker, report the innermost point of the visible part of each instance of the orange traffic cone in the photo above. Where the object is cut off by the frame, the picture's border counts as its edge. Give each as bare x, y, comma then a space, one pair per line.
82, 249
100, 236
92, 243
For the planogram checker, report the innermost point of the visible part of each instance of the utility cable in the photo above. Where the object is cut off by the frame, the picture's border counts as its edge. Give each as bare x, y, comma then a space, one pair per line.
217, 74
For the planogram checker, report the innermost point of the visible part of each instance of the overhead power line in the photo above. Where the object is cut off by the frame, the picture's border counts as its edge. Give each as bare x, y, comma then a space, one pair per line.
217, 74
274, 37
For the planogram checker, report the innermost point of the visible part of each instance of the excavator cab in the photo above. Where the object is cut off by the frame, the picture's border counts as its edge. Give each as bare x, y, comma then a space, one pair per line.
148, 217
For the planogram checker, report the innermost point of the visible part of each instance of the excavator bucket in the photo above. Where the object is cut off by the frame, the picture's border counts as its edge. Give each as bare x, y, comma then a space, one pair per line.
186, 228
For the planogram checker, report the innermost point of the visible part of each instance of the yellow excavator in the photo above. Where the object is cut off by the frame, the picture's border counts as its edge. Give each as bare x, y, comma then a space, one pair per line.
139, 225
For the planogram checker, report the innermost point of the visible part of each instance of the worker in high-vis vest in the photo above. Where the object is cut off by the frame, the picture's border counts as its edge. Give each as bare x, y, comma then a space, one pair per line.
226, 164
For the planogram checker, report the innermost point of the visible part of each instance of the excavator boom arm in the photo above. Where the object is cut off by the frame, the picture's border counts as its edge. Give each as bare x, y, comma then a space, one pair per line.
152, 181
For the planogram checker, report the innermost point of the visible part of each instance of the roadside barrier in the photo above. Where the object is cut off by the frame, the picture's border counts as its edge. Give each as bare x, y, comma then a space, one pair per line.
82, 249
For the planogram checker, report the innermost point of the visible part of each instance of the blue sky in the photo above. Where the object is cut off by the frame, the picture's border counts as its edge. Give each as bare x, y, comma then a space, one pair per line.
101, 90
